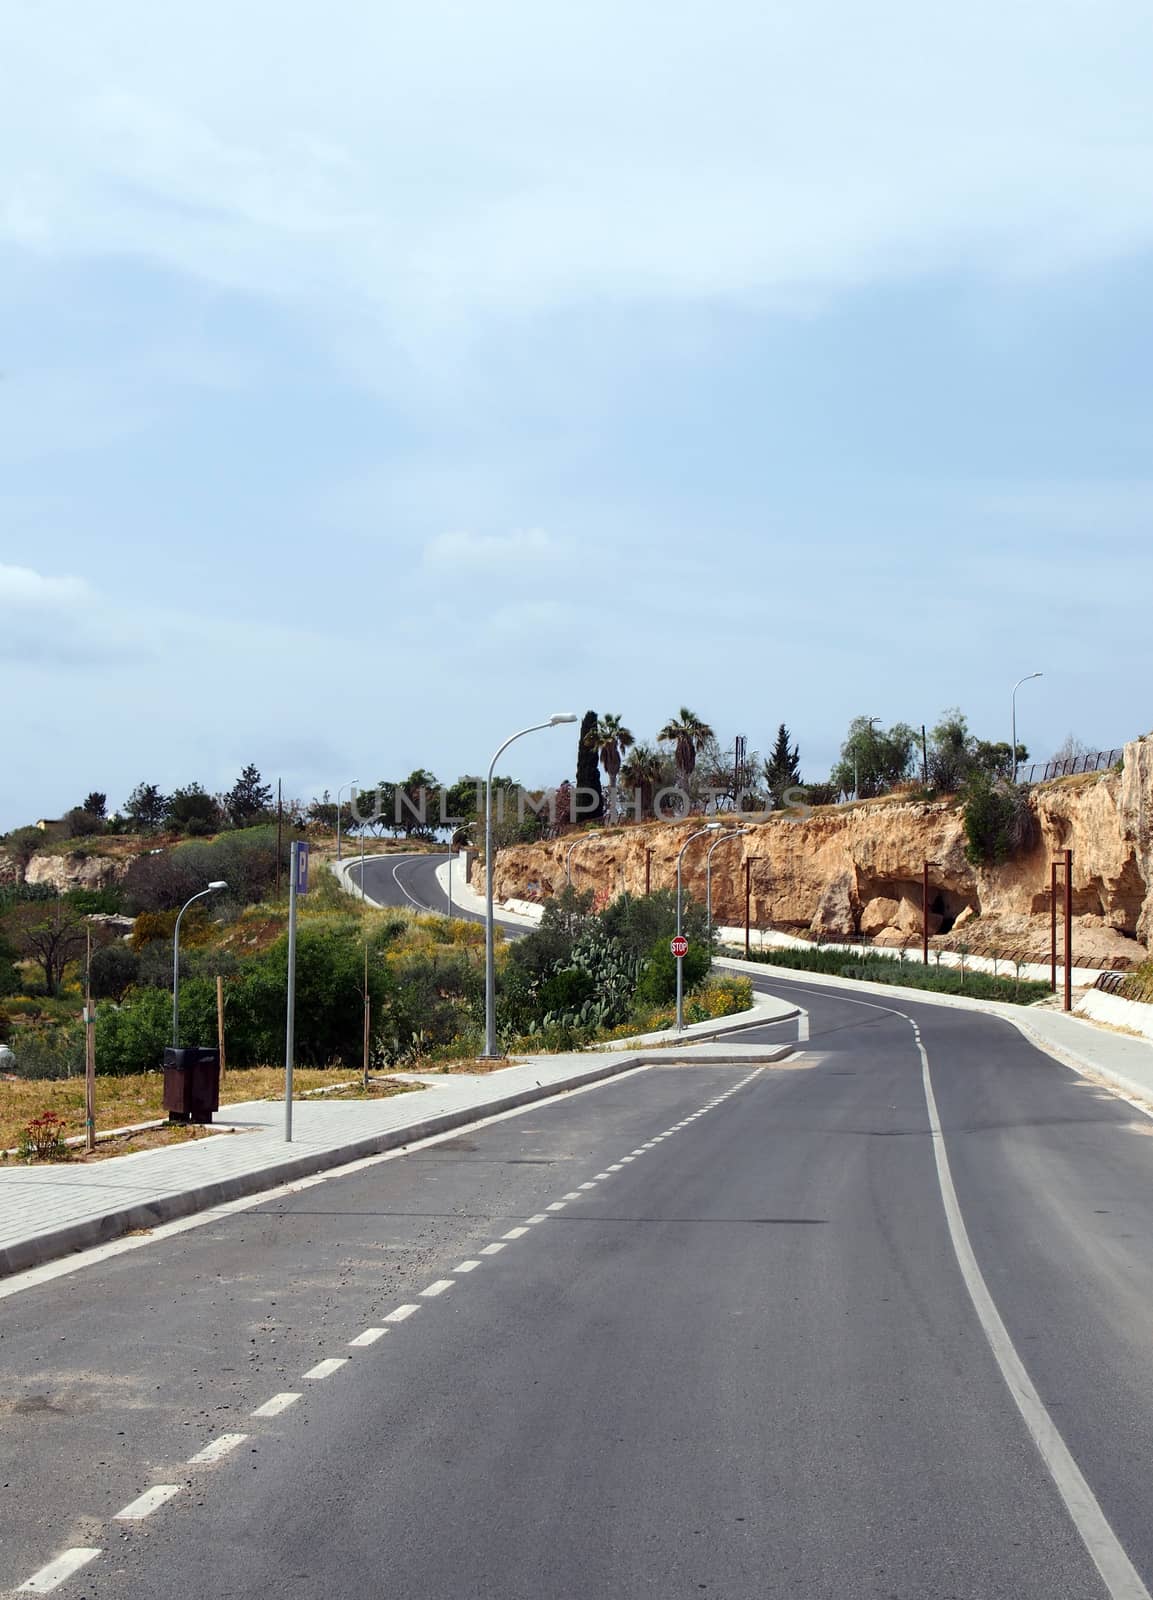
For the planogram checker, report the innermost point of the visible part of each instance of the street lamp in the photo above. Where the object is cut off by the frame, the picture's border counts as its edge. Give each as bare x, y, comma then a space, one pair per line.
490, 1050
591, 834
709, 827
1028, 678
737, 833
212, 888
350, 787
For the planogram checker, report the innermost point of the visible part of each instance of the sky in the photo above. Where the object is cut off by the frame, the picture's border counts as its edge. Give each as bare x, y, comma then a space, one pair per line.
378, 379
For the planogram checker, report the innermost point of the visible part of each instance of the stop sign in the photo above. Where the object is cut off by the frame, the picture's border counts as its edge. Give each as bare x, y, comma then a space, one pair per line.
679, 946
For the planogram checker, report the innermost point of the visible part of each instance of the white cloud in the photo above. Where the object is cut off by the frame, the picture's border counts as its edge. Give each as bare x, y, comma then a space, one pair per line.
480, 552
23, 589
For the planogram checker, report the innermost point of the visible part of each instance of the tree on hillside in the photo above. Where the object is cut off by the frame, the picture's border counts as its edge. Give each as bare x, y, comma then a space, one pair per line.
588, 801
192, 810
249, 800
644, 772
873, 761
687, 734
955, 755
146, 807
49, 932
81, 822
783, 767
609, 738
96, 804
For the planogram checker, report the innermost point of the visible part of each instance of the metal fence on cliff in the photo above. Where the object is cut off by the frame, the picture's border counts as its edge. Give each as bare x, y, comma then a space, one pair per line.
1065, 767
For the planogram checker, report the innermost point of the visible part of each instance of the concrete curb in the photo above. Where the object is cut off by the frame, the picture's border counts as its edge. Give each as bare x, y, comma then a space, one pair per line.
114, 1224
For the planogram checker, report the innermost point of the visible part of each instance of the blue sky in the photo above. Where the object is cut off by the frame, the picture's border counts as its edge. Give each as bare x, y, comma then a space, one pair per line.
375, 380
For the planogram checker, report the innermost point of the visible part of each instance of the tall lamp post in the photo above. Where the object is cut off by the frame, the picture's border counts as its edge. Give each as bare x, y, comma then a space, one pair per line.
709, 827
1028, 678
591, 834
490, 1050
212, 888
350, 787
737, 833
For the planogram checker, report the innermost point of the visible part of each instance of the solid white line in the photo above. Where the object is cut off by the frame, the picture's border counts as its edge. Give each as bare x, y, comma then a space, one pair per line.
369, 1336
278, 1403
467, 1266
537, 1216
54, 1574
148, 1502
325, 1369
401, 1314
1120, 1576
219, 1447
514, 1233
436, 1288
492, 1249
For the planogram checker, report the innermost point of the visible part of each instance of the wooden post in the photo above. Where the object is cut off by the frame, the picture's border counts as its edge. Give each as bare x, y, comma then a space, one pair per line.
648, 870
1068, 930
220, 1022
1053, 926
89, 1055
925, 913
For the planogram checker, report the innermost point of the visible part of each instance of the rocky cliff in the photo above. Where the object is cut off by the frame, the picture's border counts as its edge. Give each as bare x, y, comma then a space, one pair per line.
851, 870
78, 869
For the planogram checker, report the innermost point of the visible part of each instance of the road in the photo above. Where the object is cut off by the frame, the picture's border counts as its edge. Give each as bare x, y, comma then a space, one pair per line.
407, 880
693, 1332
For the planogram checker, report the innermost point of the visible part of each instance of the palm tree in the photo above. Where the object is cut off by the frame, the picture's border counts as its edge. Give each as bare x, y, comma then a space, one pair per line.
610, 739
687, 733
644, 772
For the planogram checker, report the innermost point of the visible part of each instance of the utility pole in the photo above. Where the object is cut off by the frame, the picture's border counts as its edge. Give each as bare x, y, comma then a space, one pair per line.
1068, 930
749, 900
648, 870
89, 1054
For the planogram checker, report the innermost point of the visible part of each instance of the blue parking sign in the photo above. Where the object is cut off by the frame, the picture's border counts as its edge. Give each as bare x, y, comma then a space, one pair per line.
302, 867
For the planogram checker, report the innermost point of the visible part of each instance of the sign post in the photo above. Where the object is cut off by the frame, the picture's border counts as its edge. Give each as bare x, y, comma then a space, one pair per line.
680, 947
297, 885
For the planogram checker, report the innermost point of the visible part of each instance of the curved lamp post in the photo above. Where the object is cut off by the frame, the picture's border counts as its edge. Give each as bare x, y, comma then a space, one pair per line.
490, 1050
591, 834
350, 787
709, 827
737, 833
212, 888
1028, 678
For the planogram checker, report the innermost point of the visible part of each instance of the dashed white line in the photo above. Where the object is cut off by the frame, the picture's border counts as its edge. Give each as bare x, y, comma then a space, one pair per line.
600, 1176
325, 1369
467, 1266
626, 1159
492, 1249
54, 1574
537, 1216
588, 1186
401, 1314
573, 1194
557, 1205
436, 1288
278, 1403
616, 1167
220, 1446
369, 1336
148, 1502
640, 1150
515, 1233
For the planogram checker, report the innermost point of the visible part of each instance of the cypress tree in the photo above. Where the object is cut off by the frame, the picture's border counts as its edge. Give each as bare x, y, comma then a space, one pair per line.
588, 772
783, 768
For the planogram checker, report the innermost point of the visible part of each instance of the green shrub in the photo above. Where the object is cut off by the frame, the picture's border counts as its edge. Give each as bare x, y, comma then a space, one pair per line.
998, 819
114, 969
659, 980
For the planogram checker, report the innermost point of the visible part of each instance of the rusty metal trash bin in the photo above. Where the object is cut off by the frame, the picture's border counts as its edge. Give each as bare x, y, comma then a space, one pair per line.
191, 1084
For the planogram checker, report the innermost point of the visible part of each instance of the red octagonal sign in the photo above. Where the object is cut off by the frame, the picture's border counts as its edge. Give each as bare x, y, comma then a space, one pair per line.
679, 946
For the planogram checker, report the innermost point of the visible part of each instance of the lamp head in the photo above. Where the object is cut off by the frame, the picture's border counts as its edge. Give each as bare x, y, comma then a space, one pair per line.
219, 884
561, 716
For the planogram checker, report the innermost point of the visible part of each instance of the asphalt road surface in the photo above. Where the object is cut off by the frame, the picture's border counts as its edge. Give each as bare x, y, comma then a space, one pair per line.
695, 1332
408, 880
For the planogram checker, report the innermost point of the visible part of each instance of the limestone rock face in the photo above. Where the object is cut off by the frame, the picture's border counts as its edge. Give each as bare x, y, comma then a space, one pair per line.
850, 870
9, 870
75, 871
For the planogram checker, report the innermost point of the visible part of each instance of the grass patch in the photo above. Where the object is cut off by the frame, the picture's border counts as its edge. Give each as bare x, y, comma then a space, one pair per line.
136, 1098
908, 974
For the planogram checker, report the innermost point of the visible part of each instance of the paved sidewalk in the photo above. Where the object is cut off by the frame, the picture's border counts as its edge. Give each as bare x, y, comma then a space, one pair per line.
49, 1211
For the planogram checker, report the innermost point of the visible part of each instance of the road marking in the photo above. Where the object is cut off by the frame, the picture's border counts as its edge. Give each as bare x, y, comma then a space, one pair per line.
600, 1177
401, 1314
436, 1288
1120, 1577
148, 1502
278, 1403
640, 1150
538, 1216
588, 1185
492, 1249
514, 1233
573, 1194
467, 1266
557, 1205
54, 1574
369, 1336
802, 1027
617, 1166
219, 1447
626, 1159
325, 1369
